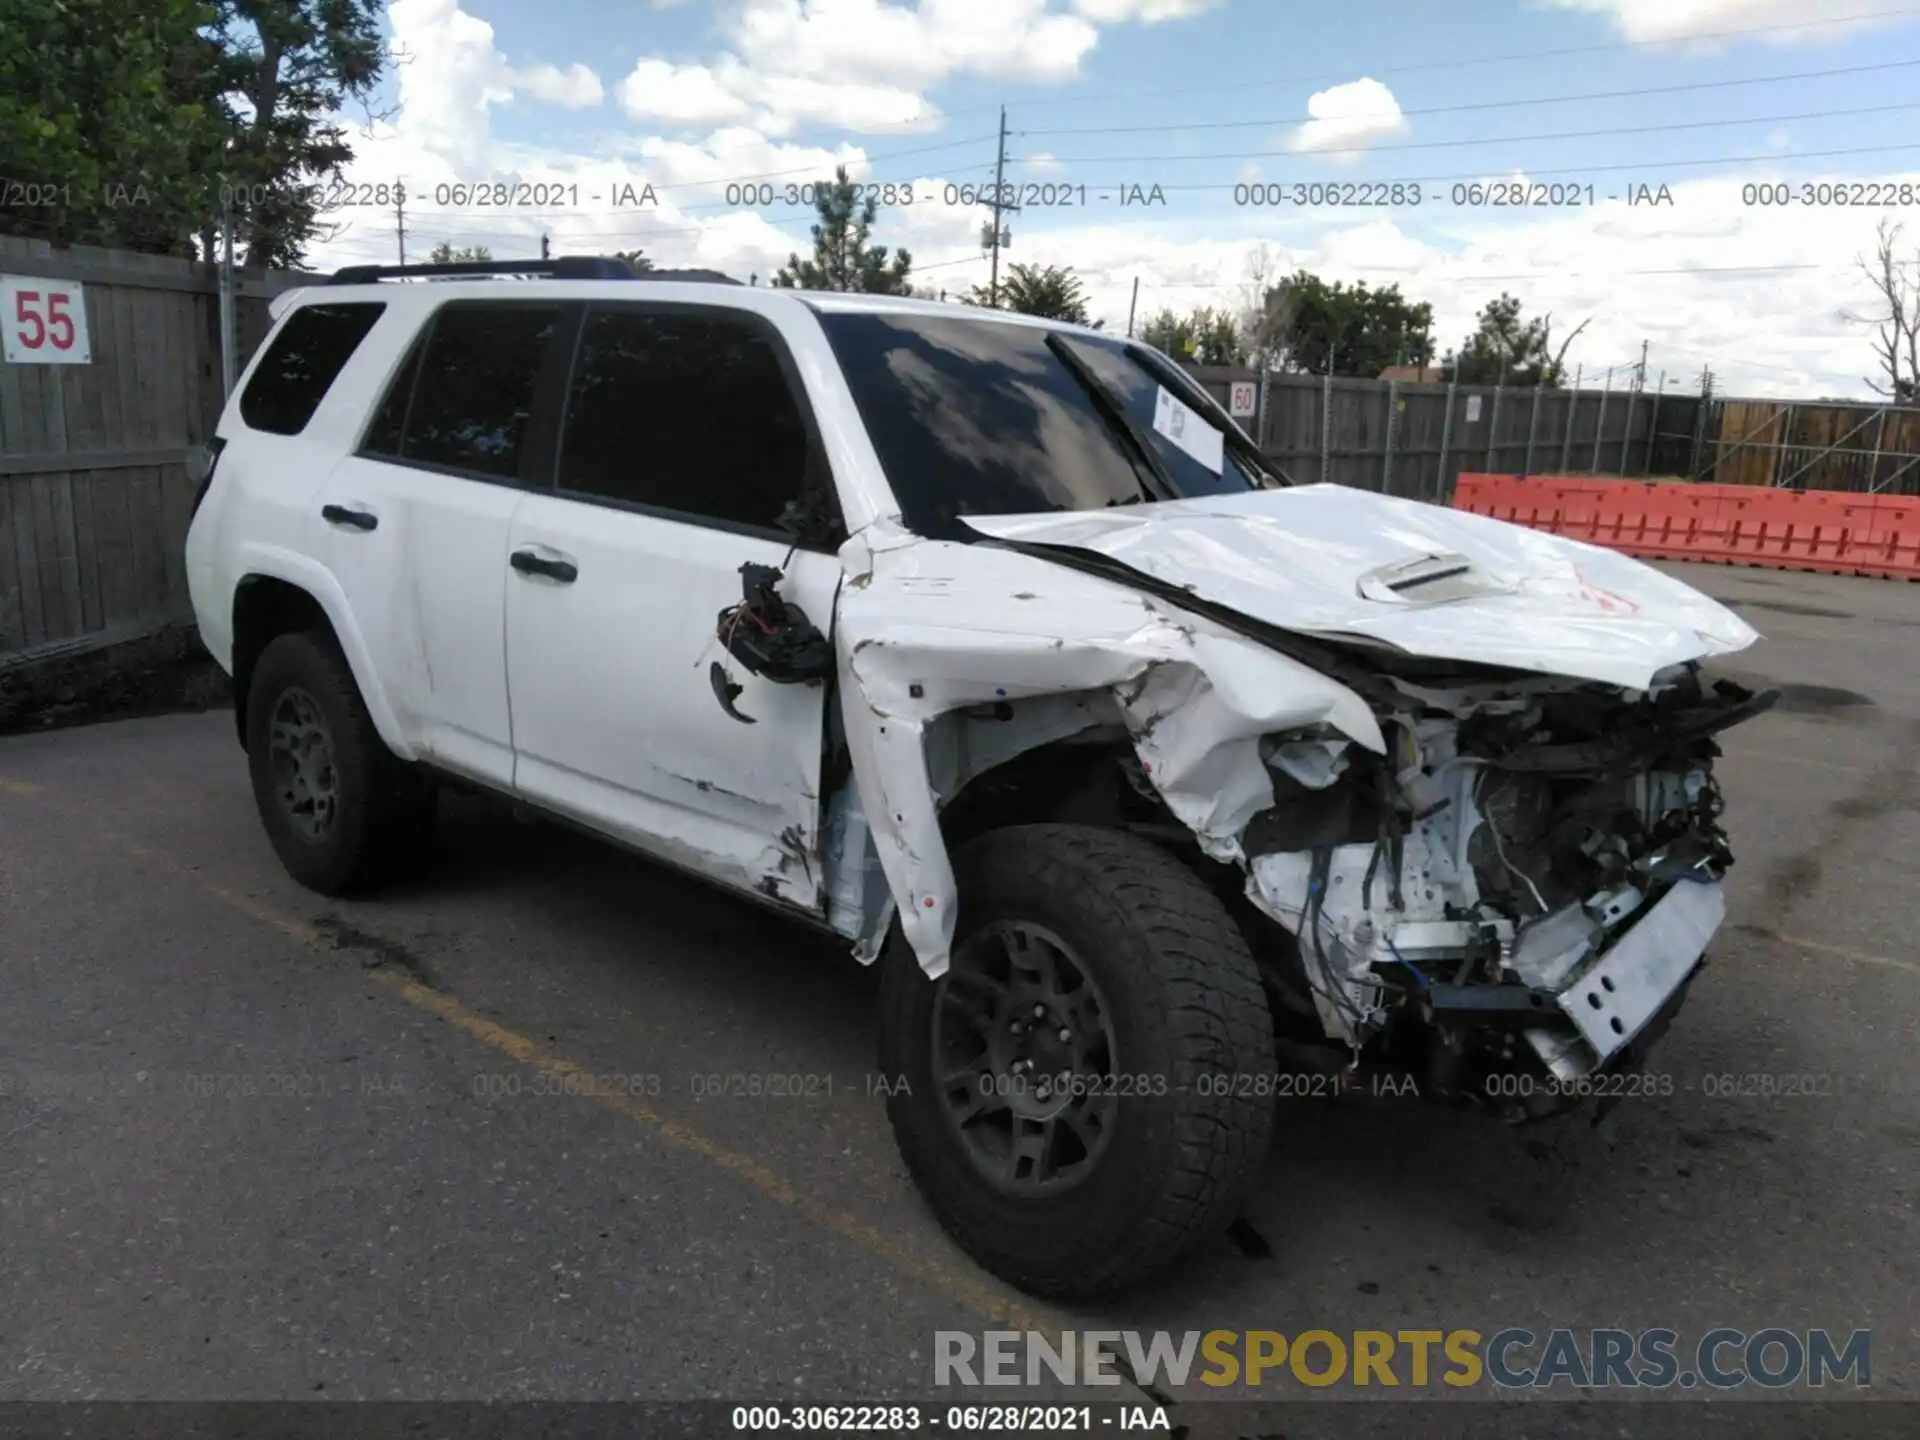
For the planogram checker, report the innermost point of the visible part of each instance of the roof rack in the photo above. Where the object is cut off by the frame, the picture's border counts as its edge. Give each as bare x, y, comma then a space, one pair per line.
563, 267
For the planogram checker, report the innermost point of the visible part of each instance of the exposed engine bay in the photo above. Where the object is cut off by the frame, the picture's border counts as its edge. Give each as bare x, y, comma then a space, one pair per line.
1524, 883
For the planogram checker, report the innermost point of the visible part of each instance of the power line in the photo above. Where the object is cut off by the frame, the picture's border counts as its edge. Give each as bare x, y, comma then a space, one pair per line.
1638, 165
1536, 274
944, 264
1517, 139
1107, 96
1489, 104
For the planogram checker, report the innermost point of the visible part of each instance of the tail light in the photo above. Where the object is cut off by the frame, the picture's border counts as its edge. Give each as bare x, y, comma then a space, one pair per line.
201, 460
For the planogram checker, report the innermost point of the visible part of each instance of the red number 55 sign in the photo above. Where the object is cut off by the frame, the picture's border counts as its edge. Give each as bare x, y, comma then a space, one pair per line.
43, 322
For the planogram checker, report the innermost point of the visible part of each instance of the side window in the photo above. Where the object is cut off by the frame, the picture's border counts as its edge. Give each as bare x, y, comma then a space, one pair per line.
474, 390
300, 365
692, 412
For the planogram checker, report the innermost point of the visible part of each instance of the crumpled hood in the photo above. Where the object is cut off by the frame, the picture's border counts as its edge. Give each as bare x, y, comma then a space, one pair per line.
1333, 561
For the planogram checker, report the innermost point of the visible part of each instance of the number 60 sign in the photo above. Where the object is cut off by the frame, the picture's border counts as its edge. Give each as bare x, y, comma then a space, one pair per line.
43, 322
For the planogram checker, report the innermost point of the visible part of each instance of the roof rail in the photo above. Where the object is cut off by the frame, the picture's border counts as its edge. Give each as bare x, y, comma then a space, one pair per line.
702, 277
563, 267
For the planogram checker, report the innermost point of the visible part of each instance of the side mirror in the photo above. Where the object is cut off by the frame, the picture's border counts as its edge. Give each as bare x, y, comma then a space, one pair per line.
770, 636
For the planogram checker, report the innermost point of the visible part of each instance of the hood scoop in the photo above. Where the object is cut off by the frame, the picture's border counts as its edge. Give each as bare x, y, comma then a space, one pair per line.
1430, 580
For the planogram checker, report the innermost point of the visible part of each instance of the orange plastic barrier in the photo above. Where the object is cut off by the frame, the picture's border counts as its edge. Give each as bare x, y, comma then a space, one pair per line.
1832, 532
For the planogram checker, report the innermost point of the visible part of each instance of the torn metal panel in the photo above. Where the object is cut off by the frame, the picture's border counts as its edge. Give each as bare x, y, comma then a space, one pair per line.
925, 628
1551, 865
1335, 562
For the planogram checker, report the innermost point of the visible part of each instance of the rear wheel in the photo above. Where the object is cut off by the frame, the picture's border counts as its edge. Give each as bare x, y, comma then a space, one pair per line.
1070, 1110
343, 812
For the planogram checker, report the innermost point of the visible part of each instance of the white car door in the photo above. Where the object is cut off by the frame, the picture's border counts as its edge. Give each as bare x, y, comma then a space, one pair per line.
684, 439
414, 526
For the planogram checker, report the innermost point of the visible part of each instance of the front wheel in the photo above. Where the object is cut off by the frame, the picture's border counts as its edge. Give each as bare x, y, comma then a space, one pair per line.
1071, 1108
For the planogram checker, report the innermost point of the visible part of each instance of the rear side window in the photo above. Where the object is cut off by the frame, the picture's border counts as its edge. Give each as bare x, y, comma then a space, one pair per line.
463, 400
300, 365
688, 411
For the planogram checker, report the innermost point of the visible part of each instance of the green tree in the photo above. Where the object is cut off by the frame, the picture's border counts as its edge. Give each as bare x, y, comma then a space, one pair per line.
1353, 330
1504, 349
1052, 292
842, 257
635, 258
107, 118
445, 254
1204, 335
286, 69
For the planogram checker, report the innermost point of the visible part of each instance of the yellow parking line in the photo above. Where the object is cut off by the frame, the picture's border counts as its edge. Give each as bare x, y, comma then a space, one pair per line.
17, 787
1004, 1309
532, 1053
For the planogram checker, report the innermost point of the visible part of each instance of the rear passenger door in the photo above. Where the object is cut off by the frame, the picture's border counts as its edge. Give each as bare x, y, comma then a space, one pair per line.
685, 437
414, 523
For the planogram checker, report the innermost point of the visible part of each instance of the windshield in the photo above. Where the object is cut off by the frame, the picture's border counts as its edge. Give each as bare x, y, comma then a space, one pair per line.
982, 417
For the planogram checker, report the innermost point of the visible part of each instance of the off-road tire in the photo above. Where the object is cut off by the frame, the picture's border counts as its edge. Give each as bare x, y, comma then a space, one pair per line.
384, 809
1186, 1003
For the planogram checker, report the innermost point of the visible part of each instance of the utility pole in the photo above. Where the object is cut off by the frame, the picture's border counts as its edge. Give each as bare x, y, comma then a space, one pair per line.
1132, 305
400, 218
546, 247
229, 358
1640, 371
998, 235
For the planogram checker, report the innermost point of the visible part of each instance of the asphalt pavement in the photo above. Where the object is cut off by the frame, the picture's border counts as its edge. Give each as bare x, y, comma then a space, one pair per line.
550, 1123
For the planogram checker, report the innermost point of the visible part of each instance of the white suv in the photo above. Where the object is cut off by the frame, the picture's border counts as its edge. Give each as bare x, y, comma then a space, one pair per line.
994, 646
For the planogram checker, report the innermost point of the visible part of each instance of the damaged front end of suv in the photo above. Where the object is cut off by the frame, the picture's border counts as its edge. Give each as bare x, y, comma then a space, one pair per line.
1161, 767
1517, 893
1478, 837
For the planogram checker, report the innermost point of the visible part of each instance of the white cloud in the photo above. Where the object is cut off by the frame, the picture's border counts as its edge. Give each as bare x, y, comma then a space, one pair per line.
1144, 12
451, 75
1347, 118
787, 98
682, 94
864, 65
1678, 20
574, 88
872, 42
1043, 162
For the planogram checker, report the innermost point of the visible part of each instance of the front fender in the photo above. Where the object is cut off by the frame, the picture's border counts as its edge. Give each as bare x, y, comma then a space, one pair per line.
927, 627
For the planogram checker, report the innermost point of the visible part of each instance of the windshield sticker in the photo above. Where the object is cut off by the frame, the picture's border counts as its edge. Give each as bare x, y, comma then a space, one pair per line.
1181, 424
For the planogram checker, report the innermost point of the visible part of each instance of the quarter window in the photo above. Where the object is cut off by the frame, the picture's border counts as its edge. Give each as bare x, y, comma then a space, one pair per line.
301, 364
687, 411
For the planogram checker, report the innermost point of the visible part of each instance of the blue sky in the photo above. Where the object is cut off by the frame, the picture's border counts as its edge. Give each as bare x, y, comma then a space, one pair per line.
1198, 97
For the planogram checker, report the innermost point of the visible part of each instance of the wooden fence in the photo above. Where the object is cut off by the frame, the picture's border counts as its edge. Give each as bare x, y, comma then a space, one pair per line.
94, 492
1822, 445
